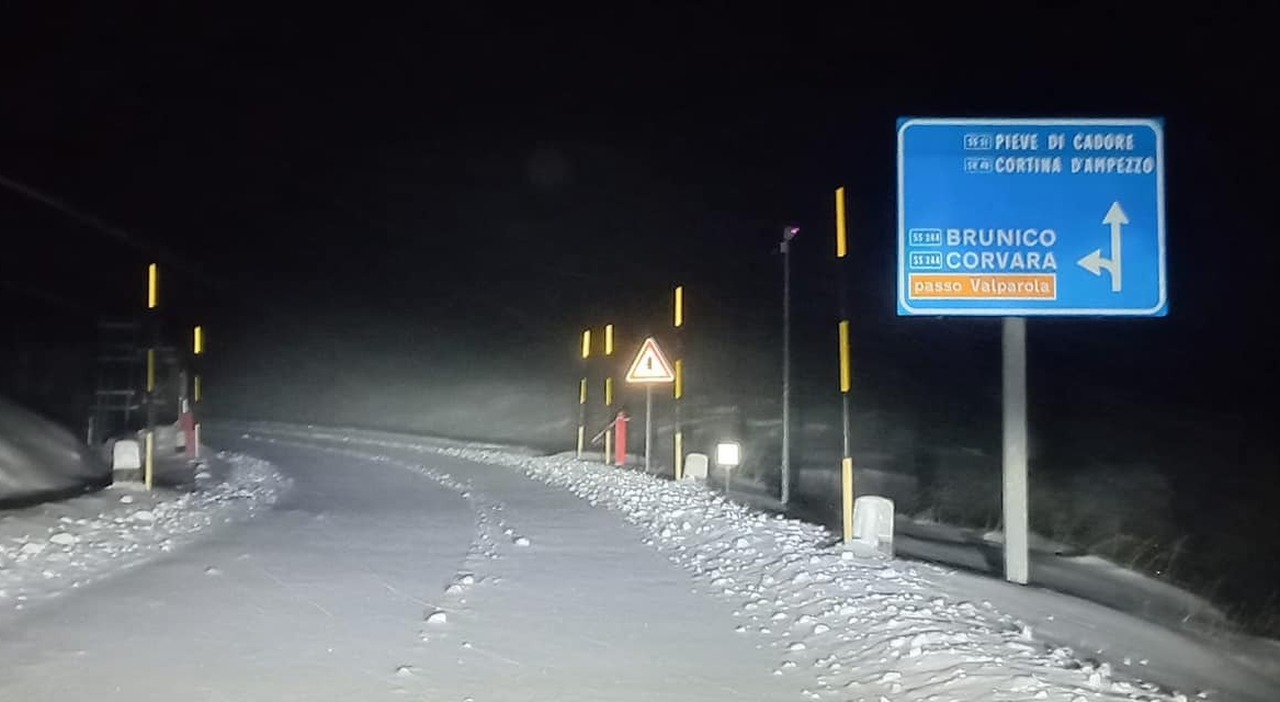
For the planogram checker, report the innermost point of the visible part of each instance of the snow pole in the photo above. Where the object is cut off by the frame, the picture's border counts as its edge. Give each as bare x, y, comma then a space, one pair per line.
153, 333
608, 390
193, 419
846, 374
582, 393
678, 385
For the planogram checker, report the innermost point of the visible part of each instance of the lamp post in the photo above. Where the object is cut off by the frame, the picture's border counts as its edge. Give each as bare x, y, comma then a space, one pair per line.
788, 233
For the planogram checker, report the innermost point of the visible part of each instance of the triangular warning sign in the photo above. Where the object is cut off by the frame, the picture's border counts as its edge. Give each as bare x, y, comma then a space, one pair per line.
650, 366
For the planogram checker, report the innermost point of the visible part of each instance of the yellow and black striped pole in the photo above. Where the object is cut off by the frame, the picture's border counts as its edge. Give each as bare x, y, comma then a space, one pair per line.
197, 350
153, 332
678, 385
846, 373
608, 392
582, 392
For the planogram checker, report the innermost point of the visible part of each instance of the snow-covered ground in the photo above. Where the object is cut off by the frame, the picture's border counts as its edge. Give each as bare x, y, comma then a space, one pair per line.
48, 549
39, 458
407, 568
863, 626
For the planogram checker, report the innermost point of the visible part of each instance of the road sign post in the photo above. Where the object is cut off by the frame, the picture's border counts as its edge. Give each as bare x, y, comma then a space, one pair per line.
1020, 218
1014, 350
649, 367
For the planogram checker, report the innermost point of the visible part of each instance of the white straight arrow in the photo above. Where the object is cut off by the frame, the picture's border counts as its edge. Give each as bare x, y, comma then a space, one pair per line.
1094, 262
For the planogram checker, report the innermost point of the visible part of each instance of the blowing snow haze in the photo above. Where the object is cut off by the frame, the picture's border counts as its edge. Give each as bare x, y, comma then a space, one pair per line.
404, 221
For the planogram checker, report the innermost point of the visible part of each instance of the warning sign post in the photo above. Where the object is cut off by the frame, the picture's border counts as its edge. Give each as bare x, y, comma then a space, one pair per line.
650, 367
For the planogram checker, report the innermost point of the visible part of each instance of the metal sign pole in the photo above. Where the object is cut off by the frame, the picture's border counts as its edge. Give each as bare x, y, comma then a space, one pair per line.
648, 424
1016, 568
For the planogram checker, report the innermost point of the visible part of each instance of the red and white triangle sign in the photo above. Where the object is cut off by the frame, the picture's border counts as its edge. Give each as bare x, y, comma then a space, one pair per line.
651, 365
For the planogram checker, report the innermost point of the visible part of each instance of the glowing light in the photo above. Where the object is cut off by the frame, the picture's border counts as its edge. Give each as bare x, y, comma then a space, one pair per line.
728, 454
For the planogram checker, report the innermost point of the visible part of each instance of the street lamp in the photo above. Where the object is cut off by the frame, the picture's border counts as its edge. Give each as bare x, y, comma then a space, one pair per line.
788, 233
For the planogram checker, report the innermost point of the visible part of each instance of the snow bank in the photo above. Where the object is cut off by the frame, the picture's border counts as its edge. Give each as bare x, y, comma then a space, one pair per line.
54, 547
39, 458
849, 623
870, 627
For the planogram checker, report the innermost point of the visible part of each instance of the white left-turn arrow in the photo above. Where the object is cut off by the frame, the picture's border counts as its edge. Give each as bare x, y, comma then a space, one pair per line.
1095, 262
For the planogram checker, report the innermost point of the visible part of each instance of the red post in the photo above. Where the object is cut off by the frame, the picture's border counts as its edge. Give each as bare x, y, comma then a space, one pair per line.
620, 439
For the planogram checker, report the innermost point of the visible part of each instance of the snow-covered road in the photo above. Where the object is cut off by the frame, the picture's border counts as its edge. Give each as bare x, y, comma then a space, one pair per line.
376, 578
395, 567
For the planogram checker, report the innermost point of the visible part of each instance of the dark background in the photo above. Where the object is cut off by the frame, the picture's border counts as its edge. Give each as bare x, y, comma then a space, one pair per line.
382, 215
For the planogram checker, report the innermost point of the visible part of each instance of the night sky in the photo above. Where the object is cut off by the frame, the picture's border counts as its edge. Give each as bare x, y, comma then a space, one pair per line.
508, 177
360, 196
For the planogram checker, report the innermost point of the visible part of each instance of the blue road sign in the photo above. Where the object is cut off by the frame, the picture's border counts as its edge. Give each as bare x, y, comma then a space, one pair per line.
1031, 217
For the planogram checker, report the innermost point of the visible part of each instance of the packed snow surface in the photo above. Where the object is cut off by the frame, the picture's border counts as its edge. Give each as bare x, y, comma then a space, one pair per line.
38, 457
48, 549
403, 568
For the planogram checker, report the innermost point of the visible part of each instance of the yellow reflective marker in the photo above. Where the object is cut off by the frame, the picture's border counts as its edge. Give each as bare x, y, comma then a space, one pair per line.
197, 389
608, 339
582, 391
679, 384
846, 489
846, 375
586, 343
679, 320
608, 392
153, 286
197, 340
841, 243
151, 370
